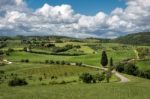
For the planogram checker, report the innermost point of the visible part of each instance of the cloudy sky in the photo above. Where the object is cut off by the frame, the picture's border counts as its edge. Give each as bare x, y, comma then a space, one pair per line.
75, 18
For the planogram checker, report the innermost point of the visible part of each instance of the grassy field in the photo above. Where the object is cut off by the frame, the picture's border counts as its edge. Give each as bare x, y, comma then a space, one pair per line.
143, 64
137, 89
92, 59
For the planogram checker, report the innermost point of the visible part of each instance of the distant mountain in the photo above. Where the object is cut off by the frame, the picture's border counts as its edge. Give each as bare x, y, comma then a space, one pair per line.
142, 38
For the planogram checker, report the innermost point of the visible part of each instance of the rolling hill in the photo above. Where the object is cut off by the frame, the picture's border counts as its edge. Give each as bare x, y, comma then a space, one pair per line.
142, 38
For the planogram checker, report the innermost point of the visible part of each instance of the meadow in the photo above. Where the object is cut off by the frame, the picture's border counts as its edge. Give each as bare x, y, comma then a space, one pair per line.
137, 89
57, 81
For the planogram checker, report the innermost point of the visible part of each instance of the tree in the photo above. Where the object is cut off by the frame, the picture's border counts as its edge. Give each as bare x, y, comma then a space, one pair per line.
108, 74
111, 62
86, 78
104, 60
1, 56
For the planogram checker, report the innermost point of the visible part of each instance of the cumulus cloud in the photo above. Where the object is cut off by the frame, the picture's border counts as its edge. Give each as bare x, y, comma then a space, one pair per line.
17, 19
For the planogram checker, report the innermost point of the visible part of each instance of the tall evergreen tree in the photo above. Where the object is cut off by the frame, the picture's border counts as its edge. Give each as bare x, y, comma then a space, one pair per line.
111, 62
1, 55
104, 59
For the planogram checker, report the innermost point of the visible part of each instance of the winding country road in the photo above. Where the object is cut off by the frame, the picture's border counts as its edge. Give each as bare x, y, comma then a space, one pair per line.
122, 78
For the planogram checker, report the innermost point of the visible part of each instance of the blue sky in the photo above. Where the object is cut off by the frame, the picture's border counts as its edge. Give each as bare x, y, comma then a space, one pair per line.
74, 18
86, 7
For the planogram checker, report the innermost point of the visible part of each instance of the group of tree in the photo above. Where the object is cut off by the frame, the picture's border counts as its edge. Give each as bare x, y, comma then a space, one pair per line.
1, 58
89, 78
3, 44
104, 63
143, 53
135, 39
132, 69
57, 62
62, 49
16, 81
25, 60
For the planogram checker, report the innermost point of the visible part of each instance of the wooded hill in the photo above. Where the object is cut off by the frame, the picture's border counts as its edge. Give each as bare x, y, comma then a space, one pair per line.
142, 38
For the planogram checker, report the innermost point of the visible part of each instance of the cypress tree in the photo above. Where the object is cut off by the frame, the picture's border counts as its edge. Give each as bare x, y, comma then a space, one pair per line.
104, 60
111, 62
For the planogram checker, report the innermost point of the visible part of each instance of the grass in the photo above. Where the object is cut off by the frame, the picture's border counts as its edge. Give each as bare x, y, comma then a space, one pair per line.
87, 49
143, 64
137, 89
92, 59
57, 70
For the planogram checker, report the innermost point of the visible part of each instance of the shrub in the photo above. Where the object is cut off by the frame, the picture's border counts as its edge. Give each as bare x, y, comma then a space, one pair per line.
100, 77
30, 77
62, 82
53, 77
25, 49
62, 62
2, 63
120, 67
22, 60
27, 61
1, 52
46, 61
130, 69
86, 77
67, 63
57, 62
51, 62
17, 82
2, 72
40, 78
77, 46
78, 63
10, 50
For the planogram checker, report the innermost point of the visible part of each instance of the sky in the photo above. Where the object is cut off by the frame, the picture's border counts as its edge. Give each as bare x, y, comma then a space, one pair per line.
74, 18
86, 7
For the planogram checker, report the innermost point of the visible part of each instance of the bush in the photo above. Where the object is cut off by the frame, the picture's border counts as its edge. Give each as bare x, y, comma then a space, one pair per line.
27, 61
53, 77
79, 64
51, 62
2, 72
22, 60
100, 77
46, 61
40, 78
62, 62
120, 67
86, 77
67, 63
57, 62
10, 50
17, 82
130, 69
2, 63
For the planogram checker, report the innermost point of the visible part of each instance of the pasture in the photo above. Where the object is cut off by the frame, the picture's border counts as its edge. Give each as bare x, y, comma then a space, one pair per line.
57, 81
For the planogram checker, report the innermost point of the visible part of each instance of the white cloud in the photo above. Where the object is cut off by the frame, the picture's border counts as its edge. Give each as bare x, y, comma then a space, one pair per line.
17, 18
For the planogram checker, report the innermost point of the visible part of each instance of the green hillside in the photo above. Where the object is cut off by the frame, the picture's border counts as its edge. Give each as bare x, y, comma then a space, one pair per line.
142, 38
